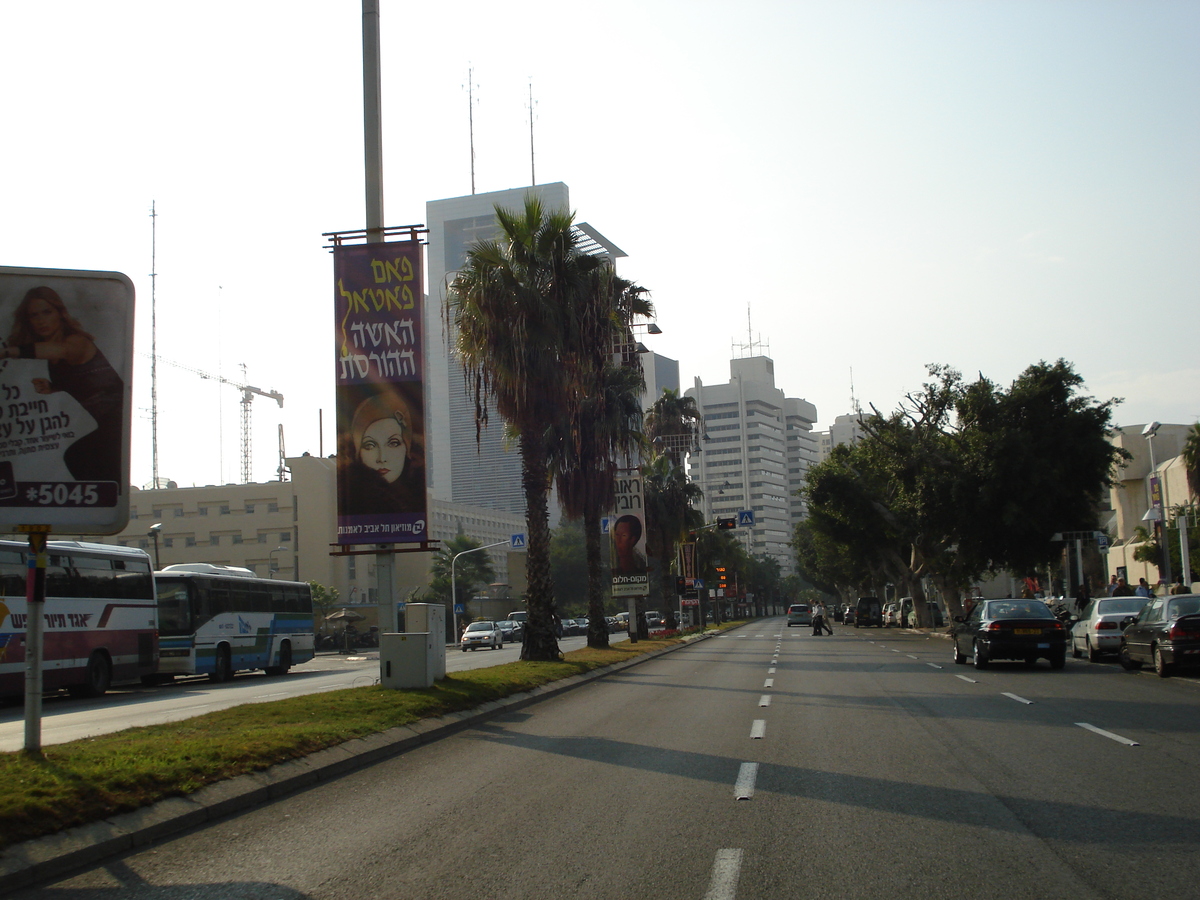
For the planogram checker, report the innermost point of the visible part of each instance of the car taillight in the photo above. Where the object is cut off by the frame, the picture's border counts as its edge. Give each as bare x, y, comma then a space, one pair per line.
995, 626
1056, 626
1180, 633
1107, 626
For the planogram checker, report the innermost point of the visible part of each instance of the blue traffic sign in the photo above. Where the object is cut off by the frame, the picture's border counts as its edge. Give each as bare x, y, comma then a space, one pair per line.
517, 541
460, 608
745, 518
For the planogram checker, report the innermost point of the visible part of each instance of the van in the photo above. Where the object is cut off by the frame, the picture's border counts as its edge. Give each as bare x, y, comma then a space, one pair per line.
869, 612
799, 614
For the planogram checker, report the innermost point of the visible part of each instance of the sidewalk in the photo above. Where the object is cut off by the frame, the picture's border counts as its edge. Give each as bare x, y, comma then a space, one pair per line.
22, 865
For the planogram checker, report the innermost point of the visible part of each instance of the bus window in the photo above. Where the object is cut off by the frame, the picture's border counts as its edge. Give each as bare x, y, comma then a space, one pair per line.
174, 610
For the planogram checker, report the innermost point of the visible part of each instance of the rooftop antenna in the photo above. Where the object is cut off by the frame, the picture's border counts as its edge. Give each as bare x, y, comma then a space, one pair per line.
471, 120
532, 170
854, 407
751, 347
153, 347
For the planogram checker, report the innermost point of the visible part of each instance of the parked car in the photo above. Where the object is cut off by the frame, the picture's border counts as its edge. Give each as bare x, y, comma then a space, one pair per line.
799, 614
848, 615
891, 614
908, 613
622, 620
567, 628
868, 612
512, 630
1009, 629
1099, 628
1165, 634
482, 634
612, 624
581, 623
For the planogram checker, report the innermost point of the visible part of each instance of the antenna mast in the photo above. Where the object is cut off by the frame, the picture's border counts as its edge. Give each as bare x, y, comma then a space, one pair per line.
153, 347
532, 170
471, 120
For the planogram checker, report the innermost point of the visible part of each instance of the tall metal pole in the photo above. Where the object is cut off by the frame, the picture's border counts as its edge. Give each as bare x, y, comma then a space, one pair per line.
153, 347
35, 608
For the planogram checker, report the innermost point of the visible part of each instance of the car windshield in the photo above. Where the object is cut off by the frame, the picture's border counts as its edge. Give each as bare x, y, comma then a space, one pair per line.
1131, 605
1188, 607
480, 626
1018, 609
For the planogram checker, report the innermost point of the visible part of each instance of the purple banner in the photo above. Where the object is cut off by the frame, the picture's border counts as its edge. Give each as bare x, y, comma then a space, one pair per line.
380, 402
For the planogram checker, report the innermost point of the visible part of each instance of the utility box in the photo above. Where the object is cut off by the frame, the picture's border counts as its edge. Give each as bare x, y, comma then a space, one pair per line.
429, 618
410, 660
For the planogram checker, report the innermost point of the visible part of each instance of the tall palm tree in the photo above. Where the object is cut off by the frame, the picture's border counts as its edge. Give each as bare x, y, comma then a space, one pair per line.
668, 498
1191, 459
512, 307
672, 423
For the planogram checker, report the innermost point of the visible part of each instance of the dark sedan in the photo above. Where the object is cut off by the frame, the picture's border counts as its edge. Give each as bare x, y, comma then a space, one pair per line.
1165, 634
1009, 629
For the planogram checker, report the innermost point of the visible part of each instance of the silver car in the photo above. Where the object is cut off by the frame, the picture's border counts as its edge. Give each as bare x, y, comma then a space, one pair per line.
482, 634
1099, 629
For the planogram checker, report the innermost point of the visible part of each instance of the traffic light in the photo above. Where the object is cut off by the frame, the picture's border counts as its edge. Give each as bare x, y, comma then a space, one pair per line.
725, 523
681, 585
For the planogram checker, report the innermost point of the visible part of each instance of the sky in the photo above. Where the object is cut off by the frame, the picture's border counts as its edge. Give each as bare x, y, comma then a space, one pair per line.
857, 188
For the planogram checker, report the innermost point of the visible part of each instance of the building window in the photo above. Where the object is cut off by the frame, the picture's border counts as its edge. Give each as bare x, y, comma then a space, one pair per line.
144, 544
178, 512
189, 541
224, 510
214, 540
168, 543
158, 514
350, 567
262, 538
285, 535
272, 507
133, 513
203, 510
237, 538
249, 508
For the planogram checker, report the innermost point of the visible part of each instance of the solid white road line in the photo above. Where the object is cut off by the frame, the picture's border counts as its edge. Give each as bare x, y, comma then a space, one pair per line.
764, 700
1018, 699
726, 868
965, 678
743, 788
758, 730
1108, 734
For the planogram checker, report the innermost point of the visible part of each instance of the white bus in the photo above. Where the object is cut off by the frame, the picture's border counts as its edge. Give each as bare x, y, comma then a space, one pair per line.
99, 619
217, 620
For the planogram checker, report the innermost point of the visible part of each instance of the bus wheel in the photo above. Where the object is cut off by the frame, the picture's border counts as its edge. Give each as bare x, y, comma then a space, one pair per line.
285, 660
96, 679
223, 669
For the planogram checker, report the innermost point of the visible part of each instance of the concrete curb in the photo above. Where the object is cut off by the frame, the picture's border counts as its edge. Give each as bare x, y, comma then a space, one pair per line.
28, 863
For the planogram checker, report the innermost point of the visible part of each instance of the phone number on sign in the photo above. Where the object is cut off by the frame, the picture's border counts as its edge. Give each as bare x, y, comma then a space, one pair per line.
65, 493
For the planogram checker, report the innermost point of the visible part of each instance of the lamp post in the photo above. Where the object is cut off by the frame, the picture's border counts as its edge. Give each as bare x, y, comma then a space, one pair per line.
271, 569
453, 584
154, 532
1158, 499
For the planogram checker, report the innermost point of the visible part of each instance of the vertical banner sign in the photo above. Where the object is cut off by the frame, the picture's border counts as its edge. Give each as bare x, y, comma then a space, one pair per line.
687, 552
379, 289
66, 367
628, 530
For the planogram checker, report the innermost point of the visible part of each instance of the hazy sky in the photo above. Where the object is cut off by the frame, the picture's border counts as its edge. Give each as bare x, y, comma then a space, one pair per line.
866, 186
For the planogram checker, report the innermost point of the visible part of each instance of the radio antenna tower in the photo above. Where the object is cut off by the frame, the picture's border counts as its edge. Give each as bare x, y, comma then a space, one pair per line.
751, 347
153, 347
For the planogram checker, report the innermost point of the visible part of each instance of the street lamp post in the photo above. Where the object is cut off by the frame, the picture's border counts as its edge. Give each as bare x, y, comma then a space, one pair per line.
1158, 498
453, 591
154, 532
271, 560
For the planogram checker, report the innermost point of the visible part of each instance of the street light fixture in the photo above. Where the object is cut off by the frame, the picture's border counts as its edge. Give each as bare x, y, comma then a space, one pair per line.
154, 531
271, 568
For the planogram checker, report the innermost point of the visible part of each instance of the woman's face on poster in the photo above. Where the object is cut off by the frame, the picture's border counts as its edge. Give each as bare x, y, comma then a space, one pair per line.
44, 319
383, 448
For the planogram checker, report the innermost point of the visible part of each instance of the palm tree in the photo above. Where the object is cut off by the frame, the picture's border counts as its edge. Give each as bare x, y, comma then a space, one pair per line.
1191, 459
512, 306
668, 497
672, 424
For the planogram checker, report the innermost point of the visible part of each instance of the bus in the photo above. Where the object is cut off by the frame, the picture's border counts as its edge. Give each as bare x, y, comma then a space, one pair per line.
99, 617
217, 620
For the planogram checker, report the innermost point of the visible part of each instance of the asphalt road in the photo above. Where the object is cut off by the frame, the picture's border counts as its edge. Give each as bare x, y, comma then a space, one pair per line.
66, 719
867, 765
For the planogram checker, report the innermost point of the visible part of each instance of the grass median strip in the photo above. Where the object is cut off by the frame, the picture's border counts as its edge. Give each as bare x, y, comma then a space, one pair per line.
88, 780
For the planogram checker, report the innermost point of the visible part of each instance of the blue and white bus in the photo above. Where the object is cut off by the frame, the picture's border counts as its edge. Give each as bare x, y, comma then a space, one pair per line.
217, 620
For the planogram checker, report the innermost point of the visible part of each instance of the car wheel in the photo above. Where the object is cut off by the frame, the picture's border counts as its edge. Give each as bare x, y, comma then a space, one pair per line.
1092, 652
1075, 651
979, 658
1162, 668
959, 659
1058, 659
1128, 663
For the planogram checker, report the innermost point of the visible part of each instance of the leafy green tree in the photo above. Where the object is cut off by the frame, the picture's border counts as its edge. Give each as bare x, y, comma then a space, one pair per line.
471, 572
513, 307
668, 496
1191, 459
568, 565
606, 427
324, 600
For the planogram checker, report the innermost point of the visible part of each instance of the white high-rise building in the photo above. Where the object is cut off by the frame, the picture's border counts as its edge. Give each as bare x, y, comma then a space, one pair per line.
757, 446
844, 430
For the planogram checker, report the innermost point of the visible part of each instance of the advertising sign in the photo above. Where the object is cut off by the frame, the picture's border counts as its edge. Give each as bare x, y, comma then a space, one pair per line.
629, 578
66, 366
378, 296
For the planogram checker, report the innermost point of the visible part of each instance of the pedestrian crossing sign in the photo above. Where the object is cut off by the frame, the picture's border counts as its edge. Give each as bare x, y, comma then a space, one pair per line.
745, 518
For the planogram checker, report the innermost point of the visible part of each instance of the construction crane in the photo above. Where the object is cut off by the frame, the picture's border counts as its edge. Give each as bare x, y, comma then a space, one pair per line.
248, 394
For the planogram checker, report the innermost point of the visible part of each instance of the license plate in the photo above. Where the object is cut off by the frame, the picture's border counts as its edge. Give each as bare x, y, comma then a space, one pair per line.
1043, 646
1027, 631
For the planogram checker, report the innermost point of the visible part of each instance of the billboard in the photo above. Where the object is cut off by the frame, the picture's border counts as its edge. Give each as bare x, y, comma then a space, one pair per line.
628, 530
66, 366
379, 292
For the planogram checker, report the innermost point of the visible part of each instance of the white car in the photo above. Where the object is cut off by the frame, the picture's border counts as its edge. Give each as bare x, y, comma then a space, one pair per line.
799, 614
482, 634
1099, 629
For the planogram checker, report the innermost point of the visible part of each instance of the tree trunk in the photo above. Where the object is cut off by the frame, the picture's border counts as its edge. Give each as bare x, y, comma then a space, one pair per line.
541, 643
597, 635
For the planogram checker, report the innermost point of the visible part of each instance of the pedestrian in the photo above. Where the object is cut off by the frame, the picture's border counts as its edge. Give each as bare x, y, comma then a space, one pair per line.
1122, 589
1081, 597
1112, 586
1143, 589
1178, 587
